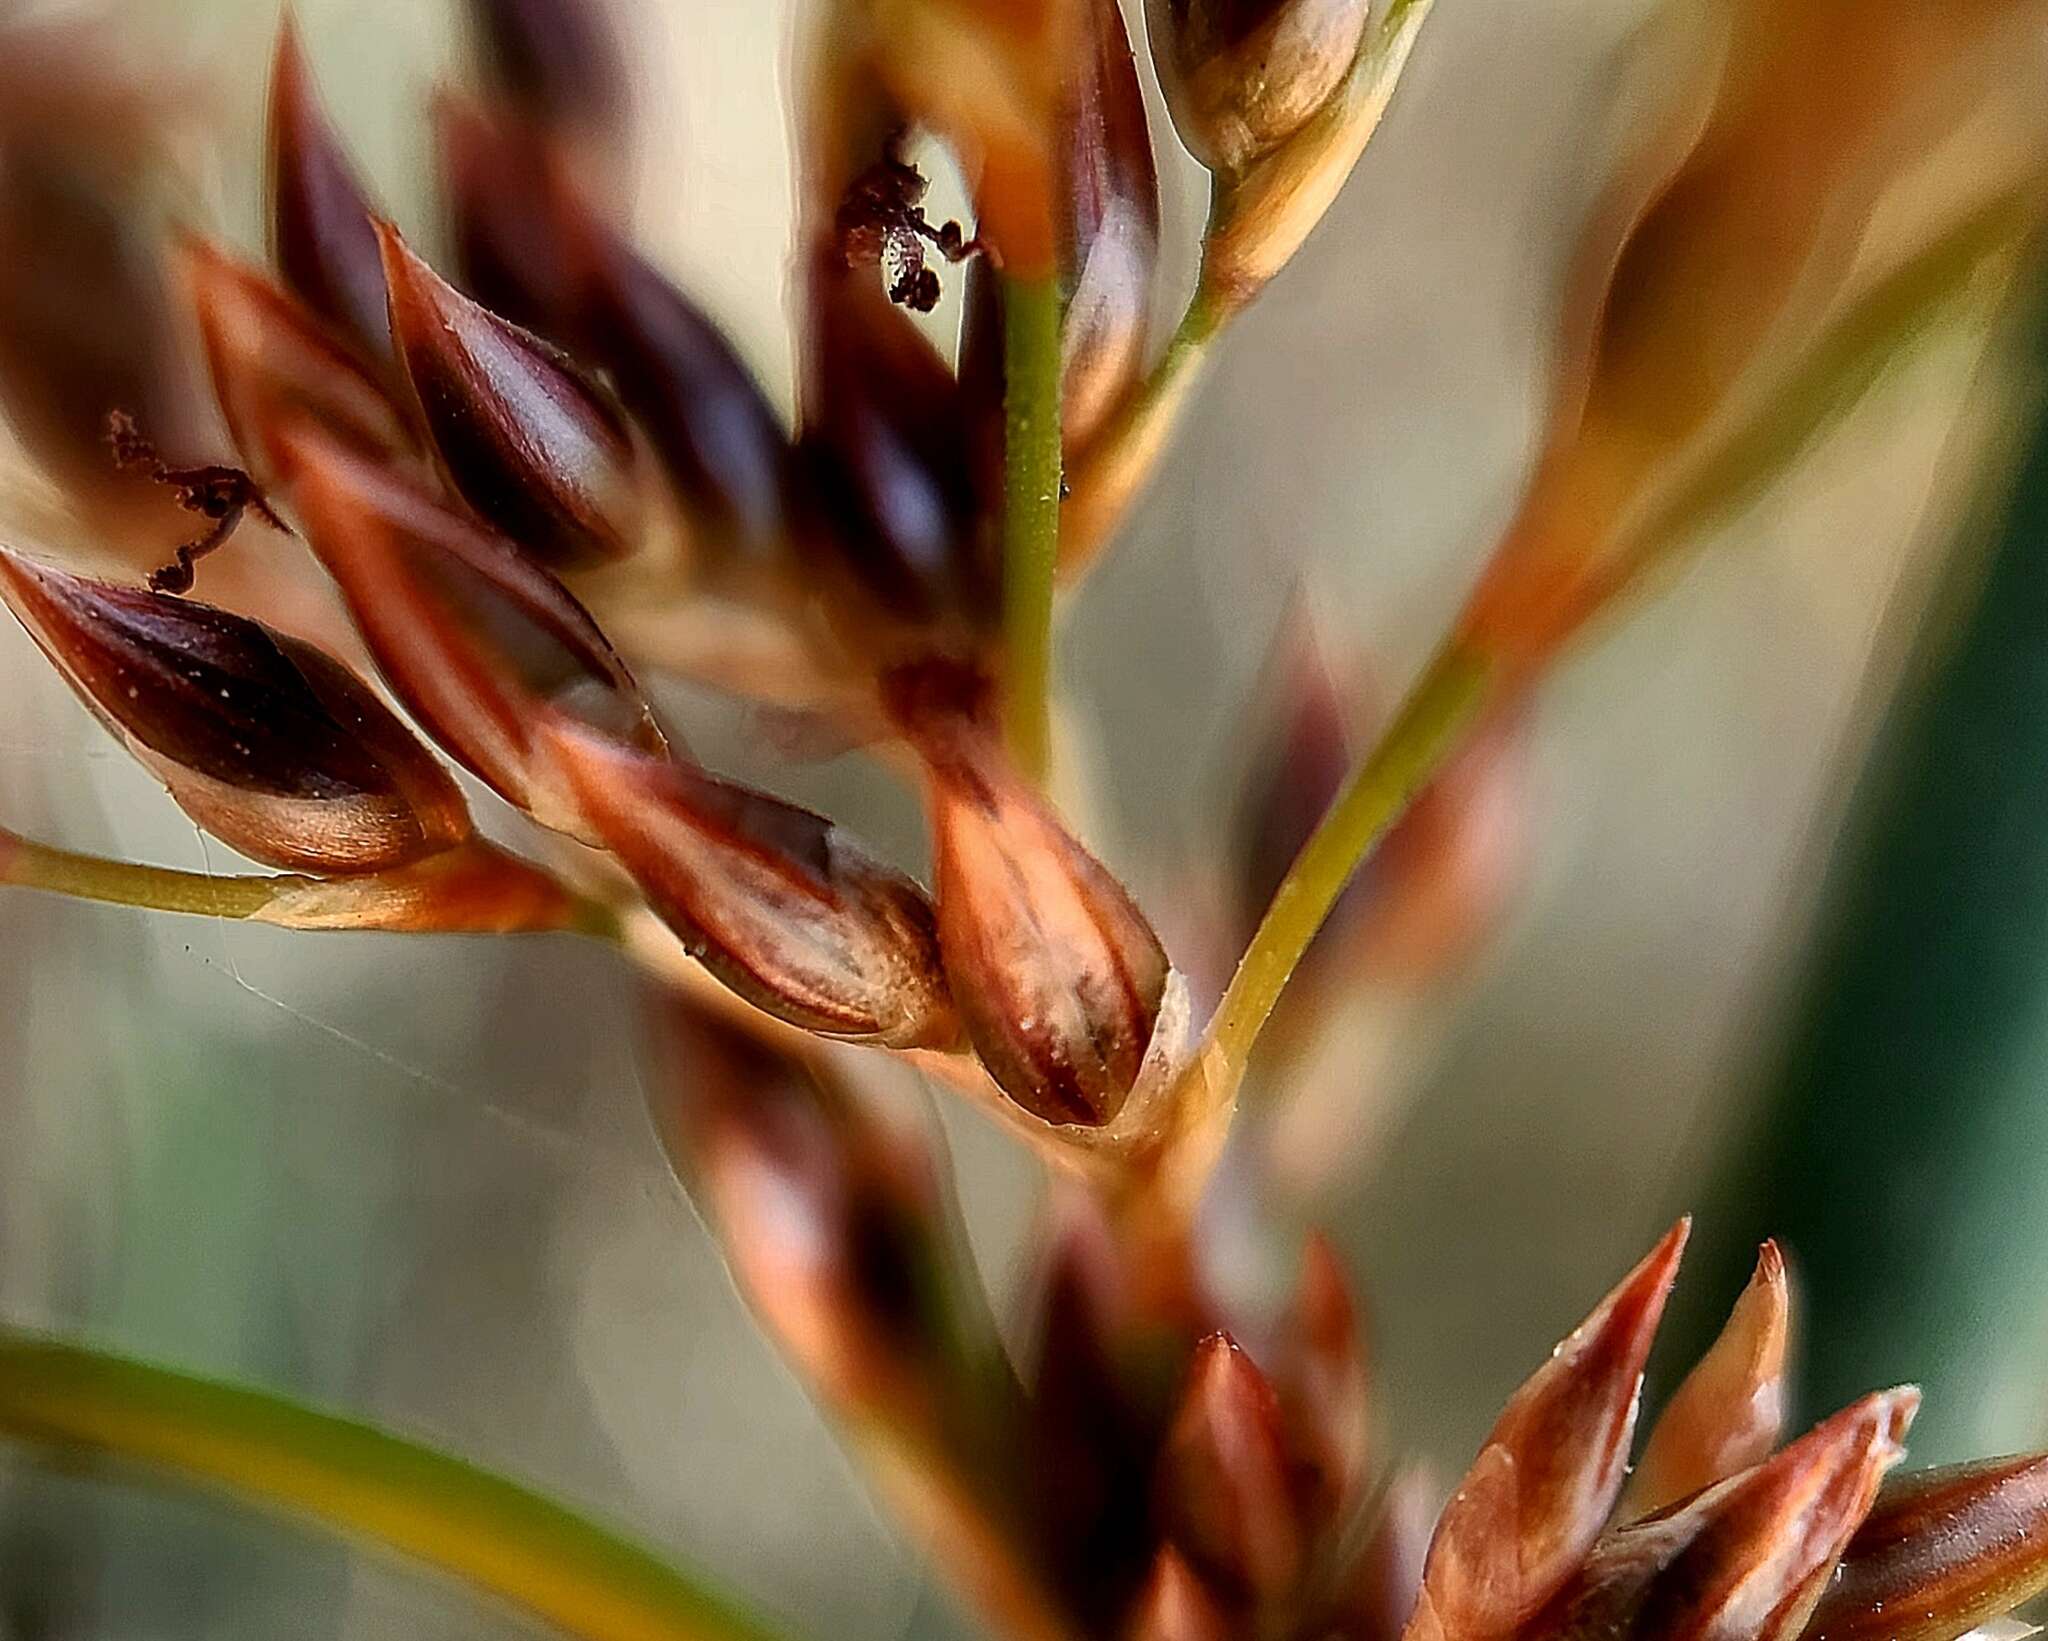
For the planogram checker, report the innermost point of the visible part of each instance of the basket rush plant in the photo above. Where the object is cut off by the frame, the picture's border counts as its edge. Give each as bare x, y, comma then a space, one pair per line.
540, 478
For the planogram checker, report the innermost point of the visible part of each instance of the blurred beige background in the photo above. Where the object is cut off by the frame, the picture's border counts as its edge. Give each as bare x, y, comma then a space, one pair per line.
416, 1178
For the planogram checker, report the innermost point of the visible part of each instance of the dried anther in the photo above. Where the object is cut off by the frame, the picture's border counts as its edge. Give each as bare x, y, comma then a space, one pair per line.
268, 743
881, 221
218, 494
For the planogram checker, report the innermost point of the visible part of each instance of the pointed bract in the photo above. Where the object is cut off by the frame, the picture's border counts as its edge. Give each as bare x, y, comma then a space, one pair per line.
1730, 1411
1224, 1492
1319, 1372
1747, 1559
523, 436
1941, 1552
272, 746
273, 363
320, 219
1177, 1606
1542, 1487
477, 639
777, 902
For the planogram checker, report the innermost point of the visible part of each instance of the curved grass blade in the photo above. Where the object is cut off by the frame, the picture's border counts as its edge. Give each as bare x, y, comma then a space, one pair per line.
494, 1534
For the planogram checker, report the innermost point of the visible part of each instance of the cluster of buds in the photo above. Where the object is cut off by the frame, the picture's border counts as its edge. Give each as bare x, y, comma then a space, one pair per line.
502, 463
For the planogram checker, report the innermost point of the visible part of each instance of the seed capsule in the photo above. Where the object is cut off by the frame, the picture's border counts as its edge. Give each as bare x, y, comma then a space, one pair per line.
1058, 975
476, 639
778, 903
1242, 76
320, 219
274, 364
522, 435
271, 745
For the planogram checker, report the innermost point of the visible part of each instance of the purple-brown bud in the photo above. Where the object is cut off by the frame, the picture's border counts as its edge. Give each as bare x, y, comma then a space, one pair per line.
1058, 976
778, 903
321, 235
273, 364
1242, 76
523, 436
1941, 1552
1543, 1485
897, 465
271, 745
1225, 1492
532, 247
558, 61
477, 640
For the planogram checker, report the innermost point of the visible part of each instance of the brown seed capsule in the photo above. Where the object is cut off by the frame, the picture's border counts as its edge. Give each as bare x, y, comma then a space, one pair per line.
1729, 1412
320, 219
522, 435
778, 903
533, 247
897, 465
476, 639
1941, 1552
1537, 1496
274, 364
1242, 76
271, 745
1745, 1560
1224, 1492
1058, 975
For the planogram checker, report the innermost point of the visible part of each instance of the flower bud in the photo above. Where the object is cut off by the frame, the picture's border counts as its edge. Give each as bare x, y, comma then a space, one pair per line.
1941, 1552
1242, 76
1541, 1489
558, 61
522, 435
321, 235
274, 364
533, 247
1730, 1411
778, 903
896, 464
1225, 1493
475, 638
1746, 1559
271, 745
1058, 975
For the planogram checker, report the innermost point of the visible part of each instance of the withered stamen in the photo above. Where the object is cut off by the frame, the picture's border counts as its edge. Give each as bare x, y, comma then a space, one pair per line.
216, 493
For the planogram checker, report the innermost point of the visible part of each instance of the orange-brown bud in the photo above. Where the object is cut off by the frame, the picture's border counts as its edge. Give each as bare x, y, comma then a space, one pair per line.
1225, 1492
1745, 1560
1058, 976
1541, 1489
273, 363
523, 436
1319, 1372
1941, 1552
271, 745
320, 219
778, 903
477, 639
1729, 1412
1177, 1606
1242, 76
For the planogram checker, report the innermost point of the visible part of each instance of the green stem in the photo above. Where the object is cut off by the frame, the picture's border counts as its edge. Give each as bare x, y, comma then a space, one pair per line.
1031, 510
28, 865
1433, 723
498, 1536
